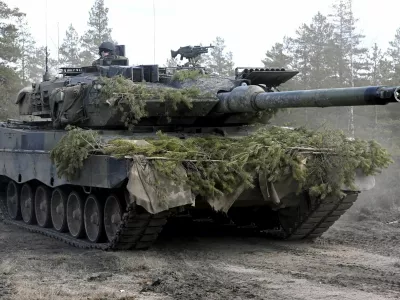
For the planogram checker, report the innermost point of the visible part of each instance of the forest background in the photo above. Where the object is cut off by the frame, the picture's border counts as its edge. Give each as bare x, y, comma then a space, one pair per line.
327, 51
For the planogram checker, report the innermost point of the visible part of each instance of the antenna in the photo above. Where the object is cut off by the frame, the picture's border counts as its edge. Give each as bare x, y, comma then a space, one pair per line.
47, 60
154, 18
46, 24
46, 75
58, 45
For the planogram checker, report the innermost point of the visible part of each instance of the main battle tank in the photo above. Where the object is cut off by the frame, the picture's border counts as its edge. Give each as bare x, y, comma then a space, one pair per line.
109, 205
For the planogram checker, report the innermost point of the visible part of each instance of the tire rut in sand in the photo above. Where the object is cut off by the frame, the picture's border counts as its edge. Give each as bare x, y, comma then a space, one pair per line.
5, 288
198, 284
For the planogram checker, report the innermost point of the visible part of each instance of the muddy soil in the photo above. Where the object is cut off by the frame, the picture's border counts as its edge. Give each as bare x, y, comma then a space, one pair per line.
356, 259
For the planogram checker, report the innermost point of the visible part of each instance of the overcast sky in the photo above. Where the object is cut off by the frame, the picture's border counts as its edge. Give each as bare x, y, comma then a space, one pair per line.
249, 27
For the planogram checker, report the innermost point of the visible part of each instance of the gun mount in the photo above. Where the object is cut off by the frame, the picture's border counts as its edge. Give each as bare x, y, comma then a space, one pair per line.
105, 206
190, 52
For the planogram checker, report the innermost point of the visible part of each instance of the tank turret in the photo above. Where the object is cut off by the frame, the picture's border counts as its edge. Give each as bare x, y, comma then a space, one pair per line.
79, 98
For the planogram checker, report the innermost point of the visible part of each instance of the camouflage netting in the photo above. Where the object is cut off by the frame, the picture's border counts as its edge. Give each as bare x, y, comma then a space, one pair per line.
321, 162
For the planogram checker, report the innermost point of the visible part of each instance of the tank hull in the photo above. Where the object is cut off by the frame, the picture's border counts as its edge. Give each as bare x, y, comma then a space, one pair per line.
72, 208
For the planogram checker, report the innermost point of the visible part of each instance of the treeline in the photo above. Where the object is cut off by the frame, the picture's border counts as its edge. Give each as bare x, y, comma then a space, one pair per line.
328, 52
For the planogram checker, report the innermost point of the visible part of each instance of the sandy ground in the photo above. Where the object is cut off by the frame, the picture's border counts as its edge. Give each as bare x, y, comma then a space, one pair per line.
356, 259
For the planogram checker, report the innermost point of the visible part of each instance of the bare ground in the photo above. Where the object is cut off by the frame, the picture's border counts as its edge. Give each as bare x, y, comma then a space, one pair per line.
356, 259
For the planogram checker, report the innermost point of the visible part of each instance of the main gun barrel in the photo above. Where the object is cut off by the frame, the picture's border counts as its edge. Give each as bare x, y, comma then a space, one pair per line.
253, 98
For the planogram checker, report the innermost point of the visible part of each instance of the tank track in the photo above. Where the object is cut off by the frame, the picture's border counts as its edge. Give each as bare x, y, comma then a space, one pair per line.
140, 230
136, 230
317, 220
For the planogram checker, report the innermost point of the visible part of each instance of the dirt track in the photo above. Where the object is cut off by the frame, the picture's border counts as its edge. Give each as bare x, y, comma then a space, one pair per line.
354, 260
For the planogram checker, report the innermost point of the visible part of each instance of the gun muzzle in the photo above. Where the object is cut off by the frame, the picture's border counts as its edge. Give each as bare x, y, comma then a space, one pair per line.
397, 94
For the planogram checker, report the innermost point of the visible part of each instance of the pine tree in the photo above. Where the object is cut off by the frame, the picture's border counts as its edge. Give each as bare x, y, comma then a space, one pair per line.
10, 82
278, 56
36, 64
9, 50
312, 56
301, 46
374, 75
218, 61
70, 49
97, 33
393, 53
171, 62
320, 36
9, 85
378, 64
27, 50
312, 53
32, 61
349, 55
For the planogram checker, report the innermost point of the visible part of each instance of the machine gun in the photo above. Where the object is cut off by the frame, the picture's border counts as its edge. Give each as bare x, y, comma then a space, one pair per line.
190, 52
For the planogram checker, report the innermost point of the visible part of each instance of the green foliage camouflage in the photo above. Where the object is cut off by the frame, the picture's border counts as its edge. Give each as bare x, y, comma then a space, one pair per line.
72, 150
131, 97
322, 162
131, 94
182, 75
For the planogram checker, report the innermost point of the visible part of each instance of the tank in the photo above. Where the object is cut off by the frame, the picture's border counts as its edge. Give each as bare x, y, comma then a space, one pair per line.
109, 205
